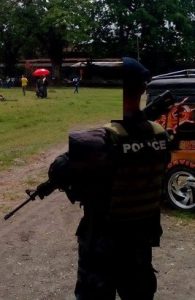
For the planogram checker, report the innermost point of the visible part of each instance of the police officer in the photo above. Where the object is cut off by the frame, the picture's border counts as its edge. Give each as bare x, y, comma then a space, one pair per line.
116, 172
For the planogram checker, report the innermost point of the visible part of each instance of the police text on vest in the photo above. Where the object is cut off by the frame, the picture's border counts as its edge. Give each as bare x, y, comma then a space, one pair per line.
135, 147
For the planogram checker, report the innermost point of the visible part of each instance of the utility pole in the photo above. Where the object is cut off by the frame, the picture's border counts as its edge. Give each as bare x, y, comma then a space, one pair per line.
137, 40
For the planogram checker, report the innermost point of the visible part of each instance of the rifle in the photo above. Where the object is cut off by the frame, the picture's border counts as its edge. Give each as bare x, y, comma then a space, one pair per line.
44, 189
159, 105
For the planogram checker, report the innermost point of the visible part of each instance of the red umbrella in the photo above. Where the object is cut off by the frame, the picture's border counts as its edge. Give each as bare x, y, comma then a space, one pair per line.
41, 72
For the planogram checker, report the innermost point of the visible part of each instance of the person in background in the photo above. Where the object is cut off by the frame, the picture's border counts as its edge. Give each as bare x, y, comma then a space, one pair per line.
76, 82
8, 82
39, 89
24, 82
44, 86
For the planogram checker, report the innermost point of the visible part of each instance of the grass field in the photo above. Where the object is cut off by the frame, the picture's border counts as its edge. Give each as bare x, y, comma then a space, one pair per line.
28, 124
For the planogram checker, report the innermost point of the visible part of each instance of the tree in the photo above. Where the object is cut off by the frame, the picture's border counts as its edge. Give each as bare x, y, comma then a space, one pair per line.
162, 30
64, 23
165, 29
17, 21
41, 27
162, 27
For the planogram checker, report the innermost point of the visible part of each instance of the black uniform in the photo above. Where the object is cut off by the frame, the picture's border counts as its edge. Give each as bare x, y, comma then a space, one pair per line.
116, 172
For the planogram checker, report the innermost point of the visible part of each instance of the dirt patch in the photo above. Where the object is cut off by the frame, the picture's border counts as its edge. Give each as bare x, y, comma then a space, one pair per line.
17, 179
39, 250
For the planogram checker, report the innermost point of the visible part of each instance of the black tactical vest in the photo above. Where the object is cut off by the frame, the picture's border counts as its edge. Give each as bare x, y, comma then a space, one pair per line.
116, 173
140, 159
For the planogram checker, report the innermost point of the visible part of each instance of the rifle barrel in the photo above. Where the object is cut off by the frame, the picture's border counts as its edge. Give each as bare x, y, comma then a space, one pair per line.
11, 213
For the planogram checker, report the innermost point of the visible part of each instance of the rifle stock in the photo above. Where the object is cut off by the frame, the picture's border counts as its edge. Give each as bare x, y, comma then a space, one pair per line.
159, 106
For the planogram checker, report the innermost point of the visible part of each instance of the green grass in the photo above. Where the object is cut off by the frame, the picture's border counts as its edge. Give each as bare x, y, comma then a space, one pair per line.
188, 216
29, 125
179, 214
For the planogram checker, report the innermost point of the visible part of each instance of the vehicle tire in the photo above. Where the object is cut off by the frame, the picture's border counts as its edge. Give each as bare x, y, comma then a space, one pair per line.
178, 193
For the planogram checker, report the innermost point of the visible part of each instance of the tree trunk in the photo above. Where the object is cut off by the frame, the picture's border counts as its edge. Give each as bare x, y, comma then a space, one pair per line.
56, 71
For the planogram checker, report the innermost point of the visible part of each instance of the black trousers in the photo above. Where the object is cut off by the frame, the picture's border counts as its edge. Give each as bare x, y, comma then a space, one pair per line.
111, 266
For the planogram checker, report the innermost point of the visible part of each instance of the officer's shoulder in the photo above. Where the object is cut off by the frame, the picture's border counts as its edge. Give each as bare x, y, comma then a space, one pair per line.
87, 140
88, 134
115, 128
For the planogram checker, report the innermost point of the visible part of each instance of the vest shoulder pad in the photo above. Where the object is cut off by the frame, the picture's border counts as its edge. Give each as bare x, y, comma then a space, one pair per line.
116, 128
158, 129
82, 143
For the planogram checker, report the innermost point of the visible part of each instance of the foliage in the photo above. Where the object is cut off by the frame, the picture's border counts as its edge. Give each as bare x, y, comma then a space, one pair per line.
18, 20
41, 27
64, 23
162, 30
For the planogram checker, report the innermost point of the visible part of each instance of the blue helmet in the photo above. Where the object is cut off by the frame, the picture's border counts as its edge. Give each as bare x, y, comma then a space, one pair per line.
134, 71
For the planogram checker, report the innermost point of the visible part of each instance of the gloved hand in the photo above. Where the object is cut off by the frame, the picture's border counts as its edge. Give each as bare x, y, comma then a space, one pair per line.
59, 172
45, 189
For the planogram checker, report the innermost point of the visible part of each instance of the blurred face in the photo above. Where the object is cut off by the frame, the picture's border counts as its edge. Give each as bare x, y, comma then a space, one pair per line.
131, 97
134, 89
